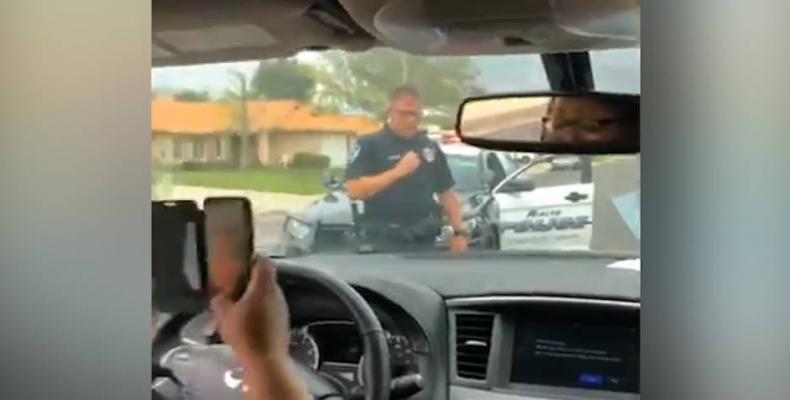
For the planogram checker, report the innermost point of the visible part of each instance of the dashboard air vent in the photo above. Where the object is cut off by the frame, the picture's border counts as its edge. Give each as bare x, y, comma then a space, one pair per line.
473, 344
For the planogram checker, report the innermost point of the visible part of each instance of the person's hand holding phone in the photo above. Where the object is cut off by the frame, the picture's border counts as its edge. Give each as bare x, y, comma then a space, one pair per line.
256, 328
249, 307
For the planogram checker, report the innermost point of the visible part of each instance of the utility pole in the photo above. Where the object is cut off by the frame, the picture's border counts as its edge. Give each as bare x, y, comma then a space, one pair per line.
244, 129
404, 65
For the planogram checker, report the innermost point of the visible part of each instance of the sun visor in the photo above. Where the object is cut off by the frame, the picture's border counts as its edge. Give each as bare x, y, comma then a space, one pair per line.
440, 27
605, 19
405, 23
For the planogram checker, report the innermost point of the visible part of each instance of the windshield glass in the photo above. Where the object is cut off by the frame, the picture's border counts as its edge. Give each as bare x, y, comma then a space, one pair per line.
287, 133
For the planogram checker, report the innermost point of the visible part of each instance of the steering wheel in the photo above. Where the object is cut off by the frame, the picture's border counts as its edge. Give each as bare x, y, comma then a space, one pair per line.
210, 372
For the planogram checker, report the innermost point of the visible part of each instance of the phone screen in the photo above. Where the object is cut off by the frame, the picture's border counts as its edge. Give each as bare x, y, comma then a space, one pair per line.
229, 244
178, 269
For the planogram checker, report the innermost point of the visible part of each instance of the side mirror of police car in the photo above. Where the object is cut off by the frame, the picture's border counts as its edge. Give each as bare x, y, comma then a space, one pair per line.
517, 186
489, 178
330, 181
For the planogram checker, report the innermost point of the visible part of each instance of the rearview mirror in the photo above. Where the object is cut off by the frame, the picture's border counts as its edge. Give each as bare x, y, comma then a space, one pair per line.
552, 122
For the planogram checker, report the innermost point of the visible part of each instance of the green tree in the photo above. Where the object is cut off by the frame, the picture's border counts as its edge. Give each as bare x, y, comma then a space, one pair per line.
191, 95
284, 79
363, 81
271, 81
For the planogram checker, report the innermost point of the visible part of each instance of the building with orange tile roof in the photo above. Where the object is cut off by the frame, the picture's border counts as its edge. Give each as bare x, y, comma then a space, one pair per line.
209, 132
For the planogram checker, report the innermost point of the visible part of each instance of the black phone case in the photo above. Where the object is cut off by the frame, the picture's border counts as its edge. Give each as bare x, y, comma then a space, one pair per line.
172, 291
244, 278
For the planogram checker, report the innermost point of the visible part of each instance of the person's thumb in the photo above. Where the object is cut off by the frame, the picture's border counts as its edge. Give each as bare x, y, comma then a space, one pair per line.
220, 306
262, 279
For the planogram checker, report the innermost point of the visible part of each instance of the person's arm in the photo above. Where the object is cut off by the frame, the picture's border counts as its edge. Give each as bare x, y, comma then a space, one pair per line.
256, 328
362, 185
368, 186
452, 209
443, 187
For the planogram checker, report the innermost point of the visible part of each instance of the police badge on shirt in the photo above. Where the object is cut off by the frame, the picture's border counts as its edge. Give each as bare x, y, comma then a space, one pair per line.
428, 153
354, 153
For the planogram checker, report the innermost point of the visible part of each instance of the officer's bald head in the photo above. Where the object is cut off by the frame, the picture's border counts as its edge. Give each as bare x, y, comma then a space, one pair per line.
405, 111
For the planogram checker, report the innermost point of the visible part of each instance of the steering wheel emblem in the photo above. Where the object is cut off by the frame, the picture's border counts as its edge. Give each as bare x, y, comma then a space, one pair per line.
233, 379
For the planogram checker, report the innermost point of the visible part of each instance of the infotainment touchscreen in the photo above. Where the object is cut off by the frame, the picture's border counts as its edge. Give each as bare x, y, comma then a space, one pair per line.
576, 355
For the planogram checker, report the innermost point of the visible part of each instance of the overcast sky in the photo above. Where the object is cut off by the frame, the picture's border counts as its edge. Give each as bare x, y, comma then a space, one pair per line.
210, 77
614, 70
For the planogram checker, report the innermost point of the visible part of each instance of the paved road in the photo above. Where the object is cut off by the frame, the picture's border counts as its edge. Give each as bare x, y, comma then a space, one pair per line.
269, 208
268, 228
610, 231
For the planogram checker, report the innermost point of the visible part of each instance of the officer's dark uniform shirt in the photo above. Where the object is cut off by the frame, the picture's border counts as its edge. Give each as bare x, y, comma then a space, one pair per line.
410, 199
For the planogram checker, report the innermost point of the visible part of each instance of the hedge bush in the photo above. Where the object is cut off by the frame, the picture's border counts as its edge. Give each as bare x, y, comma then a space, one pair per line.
207, 166
310, 161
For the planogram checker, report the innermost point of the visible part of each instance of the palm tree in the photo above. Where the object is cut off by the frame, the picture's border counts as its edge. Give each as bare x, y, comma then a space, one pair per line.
240, 95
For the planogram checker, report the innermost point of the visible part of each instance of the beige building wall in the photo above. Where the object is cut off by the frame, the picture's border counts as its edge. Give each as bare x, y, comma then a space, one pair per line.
169, 149
283, 146
264, 149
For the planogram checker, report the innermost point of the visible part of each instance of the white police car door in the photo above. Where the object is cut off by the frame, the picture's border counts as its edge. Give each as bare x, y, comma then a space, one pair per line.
556, 214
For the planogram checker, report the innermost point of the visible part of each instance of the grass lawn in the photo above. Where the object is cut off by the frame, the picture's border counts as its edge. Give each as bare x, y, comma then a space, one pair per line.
278, 180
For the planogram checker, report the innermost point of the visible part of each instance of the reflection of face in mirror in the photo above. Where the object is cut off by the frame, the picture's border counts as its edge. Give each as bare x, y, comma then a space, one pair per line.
582, 120
589, 122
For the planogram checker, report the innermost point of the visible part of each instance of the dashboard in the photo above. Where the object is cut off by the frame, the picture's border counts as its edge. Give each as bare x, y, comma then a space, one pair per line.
541, 327
324, 339
538, 347
334, 348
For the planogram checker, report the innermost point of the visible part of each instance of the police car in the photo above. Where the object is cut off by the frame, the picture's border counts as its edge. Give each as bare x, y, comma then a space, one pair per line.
538, 208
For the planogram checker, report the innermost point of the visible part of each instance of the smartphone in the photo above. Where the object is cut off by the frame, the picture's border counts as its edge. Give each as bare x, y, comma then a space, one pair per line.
229, 244
179, 271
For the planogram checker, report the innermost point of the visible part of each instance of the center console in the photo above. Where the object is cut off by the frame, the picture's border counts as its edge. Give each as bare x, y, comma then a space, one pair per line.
545, 347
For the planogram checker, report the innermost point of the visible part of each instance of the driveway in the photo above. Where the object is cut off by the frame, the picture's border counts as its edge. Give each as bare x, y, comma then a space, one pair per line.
269, 209
262, 202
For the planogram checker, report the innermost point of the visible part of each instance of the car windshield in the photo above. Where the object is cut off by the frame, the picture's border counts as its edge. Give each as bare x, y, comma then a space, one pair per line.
466, 171
287, 133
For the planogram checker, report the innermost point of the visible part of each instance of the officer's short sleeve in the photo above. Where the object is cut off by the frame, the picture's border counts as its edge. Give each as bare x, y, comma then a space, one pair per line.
359, 161
443, 178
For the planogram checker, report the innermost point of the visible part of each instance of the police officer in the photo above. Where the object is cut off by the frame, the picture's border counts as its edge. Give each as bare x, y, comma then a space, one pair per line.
396, 172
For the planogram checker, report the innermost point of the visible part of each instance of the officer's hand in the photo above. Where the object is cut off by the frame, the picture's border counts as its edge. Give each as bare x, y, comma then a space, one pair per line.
458, 244
408, 164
